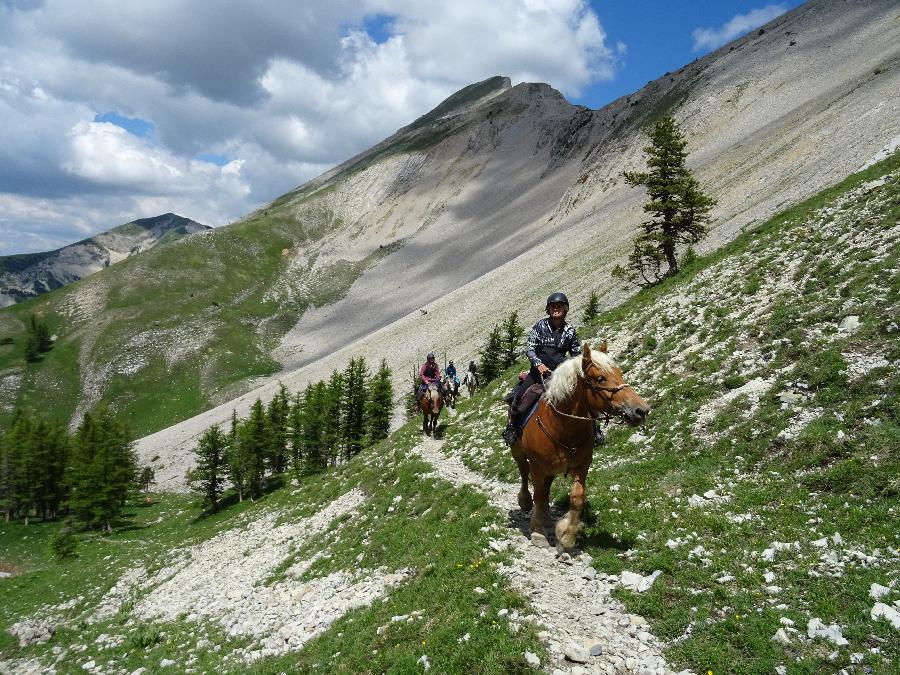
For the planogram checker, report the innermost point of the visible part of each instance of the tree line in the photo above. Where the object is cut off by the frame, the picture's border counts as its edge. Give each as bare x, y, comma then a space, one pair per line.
45, 472
330, 421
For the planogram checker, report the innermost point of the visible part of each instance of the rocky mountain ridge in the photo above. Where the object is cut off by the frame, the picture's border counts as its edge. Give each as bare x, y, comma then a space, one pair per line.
29, 275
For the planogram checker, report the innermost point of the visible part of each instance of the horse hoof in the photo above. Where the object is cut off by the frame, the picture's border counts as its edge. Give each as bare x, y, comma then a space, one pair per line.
539, 540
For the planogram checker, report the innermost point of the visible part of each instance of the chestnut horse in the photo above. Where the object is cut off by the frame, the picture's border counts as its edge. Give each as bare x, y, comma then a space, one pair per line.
559, 437
430, 404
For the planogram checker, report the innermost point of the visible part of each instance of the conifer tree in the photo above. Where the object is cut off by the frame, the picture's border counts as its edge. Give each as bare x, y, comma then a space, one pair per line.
42, 337
254, 436
313, 423
592, 311
679, 211
331, 419
380, 404
277, 421
295, 425
353, 407
102, 470
32, 353
63, 544
511, 340
16, 469
236, 457
208, 477
492, 355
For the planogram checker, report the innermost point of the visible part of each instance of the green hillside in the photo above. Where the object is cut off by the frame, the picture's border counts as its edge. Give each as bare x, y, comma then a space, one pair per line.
199, 317
764, 488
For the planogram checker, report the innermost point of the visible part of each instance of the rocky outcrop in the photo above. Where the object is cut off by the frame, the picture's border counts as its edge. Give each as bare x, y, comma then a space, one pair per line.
29, 275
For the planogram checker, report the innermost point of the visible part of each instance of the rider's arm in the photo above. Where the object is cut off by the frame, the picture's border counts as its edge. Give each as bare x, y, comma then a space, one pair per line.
574, 344
531, 345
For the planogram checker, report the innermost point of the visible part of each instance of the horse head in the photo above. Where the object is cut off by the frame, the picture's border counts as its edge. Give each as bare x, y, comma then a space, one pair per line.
435, 397
606, 389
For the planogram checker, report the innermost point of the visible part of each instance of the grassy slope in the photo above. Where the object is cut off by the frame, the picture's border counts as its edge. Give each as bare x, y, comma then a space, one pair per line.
799, 488
214, 286
691, 341
434, 528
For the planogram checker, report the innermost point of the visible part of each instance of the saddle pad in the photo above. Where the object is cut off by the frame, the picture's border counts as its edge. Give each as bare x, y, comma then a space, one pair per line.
523, 420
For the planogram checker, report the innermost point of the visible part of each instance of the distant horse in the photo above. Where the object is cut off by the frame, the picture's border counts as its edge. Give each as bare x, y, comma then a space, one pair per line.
559, 437
471, 383
430, 404
449, 390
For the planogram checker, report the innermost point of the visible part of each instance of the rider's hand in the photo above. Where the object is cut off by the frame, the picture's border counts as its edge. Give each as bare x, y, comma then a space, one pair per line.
542, 369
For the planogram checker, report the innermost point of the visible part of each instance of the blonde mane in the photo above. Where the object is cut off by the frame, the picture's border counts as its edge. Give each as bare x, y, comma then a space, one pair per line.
565, 377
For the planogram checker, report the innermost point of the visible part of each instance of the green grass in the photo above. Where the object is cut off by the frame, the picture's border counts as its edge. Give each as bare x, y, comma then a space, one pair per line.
436, 531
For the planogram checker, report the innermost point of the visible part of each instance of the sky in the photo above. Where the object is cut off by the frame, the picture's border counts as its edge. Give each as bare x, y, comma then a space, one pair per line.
113, 110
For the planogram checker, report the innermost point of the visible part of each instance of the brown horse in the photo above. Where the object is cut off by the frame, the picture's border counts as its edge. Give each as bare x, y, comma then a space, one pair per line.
559, 437
430, 404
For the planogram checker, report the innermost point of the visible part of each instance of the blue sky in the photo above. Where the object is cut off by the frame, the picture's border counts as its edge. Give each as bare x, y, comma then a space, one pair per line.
111, 112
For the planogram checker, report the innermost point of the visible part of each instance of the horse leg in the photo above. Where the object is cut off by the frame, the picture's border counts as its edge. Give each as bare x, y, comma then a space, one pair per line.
541, 502
567, 526
525, 502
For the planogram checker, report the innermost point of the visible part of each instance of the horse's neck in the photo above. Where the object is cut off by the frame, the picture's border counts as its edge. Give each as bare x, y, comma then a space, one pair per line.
576, 402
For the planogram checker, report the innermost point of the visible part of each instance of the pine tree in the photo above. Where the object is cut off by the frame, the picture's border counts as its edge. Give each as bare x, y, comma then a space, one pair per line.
679, 209
255, 437
102, 470
492, 355
313, 420
592, 311
380, 404
15, 468
32, 353
42, 336
208, 477
63, 544
353, 406
331, 419
277, 425
511, 340
295, 424
236, 457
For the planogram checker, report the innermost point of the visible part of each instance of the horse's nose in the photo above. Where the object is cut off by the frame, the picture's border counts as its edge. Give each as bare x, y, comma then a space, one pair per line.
642, 413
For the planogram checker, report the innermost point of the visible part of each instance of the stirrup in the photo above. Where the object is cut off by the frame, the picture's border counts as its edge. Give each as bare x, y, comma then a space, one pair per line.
510, 435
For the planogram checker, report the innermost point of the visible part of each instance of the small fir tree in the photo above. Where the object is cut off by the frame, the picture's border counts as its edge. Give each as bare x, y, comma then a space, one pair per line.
492, 355
207, 478
237, 458
353, 406
592, 311
64, 544
380, 404
512, 340
679, 211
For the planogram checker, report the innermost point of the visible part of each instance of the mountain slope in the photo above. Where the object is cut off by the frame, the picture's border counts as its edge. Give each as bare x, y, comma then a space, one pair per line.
31, 274
761, 497
498, 197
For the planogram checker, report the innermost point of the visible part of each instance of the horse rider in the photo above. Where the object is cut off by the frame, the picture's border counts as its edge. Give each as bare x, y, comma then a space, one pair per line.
551, 341
450, 373
473, 373
429, 372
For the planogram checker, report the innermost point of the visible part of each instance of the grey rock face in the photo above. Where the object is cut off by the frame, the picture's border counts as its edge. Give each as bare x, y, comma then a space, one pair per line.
26, 276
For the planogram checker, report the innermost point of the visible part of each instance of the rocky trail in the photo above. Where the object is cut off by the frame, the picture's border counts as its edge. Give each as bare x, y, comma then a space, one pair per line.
585, 629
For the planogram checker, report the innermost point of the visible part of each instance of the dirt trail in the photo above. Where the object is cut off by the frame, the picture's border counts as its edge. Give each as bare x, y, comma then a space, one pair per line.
585, 629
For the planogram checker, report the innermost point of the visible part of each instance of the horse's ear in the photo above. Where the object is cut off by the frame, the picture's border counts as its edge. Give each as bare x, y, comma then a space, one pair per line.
602, 347
586, 350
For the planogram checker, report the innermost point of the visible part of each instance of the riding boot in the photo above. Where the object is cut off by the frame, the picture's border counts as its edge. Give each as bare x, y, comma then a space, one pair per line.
511, 433
599, 436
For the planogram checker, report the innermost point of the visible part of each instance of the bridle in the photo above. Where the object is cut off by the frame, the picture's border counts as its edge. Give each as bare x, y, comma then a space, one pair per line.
595, 388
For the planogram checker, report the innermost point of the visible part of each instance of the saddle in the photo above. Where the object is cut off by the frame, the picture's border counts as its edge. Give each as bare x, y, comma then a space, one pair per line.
526, 404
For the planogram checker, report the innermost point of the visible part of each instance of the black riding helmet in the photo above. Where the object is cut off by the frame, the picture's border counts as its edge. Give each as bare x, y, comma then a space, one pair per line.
558, 297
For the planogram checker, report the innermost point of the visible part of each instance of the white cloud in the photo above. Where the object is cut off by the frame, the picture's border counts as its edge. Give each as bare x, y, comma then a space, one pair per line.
708, 39
285, 90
